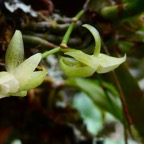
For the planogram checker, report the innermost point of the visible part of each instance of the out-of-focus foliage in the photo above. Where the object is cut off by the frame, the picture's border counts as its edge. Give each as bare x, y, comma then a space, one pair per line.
105, 101
89, 112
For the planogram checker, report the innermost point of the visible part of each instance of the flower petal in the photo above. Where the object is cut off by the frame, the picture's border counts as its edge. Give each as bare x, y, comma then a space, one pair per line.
19, 93
84, 58
97, 38
15, 52
108, 63
8, 84
3, 95
74, 68
25, 69
35, 80
5, 76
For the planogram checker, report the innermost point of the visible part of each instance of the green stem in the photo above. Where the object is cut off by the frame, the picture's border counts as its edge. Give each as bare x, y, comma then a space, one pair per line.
65, 38
69, 30
47, 53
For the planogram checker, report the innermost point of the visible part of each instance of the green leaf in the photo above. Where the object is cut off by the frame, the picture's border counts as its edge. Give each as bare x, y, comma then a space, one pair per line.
15, 52
96, 93
89, 112
134, 98
108, 86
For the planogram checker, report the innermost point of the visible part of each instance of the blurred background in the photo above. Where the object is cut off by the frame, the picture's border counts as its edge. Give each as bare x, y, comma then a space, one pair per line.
101, 109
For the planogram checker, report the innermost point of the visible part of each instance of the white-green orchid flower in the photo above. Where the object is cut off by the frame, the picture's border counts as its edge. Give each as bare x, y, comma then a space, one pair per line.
20, 75
84, 65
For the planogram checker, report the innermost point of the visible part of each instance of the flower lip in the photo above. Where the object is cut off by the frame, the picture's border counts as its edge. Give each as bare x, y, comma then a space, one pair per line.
9, 85
75, 68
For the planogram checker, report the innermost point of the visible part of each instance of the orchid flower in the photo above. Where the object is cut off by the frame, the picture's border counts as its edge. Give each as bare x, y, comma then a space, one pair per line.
80, 64
19, 76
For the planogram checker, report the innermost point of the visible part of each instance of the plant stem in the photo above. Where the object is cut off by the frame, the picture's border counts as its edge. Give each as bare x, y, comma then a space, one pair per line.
52, 51
65, 38
69, 30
